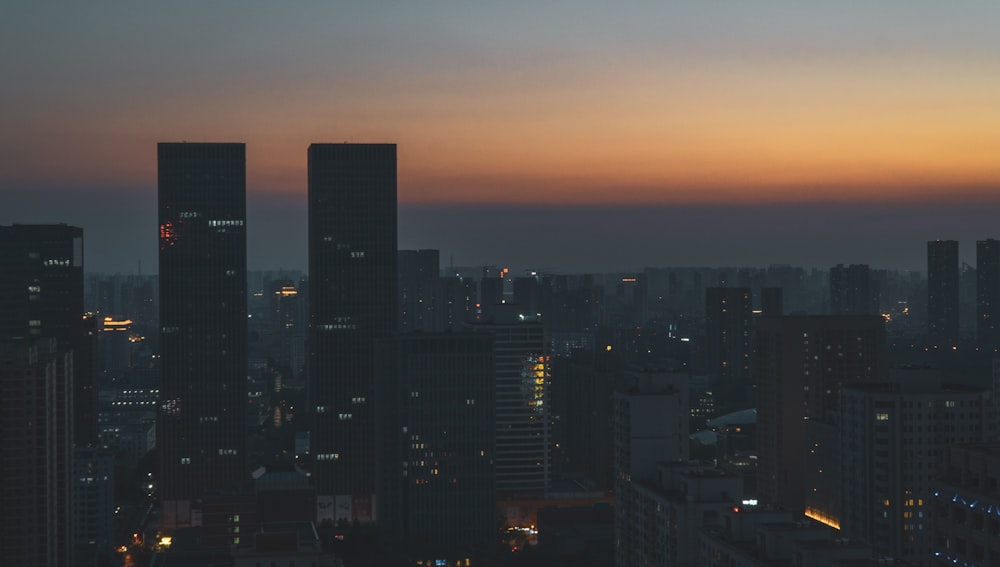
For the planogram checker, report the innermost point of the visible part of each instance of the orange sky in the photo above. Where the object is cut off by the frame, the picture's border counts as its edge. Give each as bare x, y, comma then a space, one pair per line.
757, 114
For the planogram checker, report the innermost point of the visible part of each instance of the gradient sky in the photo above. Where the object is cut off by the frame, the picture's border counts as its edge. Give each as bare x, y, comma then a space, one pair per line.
652, 133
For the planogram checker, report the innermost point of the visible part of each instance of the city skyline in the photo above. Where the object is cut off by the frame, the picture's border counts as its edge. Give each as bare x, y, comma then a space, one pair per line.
864, 120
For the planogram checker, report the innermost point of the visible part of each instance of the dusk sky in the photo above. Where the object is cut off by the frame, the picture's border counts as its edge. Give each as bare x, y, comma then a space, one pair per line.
561, 135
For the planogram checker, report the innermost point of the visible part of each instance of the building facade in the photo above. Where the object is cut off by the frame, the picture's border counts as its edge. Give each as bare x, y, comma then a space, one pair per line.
853, 291
942, 291
988, 292
651, 418
728, 320
36, 384
435, 430
893, 437
966, 507
352, 304
800, 364
523, 428
201, 422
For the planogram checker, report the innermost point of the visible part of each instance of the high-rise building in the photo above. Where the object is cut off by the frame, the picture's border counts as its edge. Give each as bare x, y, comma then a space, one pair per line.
853, 291
800, 364
41, 296
942, 291
966, 506
893, 437
201, 424
352, 304
650, 427
435, 429
988, 292
419, 291
523, 435
728, 317
36, 379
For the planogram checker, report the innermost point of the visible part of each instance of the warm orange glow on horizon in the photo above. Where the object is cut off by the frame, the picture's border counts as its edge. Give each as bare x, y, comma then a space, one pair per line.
713, 132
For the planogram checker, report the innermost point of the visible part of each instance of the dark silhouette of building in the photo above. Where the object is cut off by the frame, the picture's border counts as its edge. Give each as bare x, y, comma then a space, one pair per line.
352, 303
490, 296
436, 422
853, 291
964, 505
772, 302
36, 380
419, 291
728, 315
988, 292
523, 436
41, 296
800, 364
201, 425
942, 291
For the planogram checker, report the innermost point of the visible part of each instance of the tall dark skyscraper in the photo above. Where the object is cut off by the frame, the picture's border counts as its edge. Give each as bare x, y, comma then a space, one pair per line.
728, 316
419, 291
352, 304
942, 290
201, 426
437, 436
988, 292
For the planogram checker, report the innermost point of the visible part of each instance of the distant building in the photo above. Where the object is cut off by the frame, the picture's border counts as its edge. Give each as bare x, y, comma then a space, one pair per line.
728, 325
772, 303
942, 291
419, 291
988, 293
966, 507
853, 290
352, 304
201, 424
36, 380
801, 362
93, 505
892, 440
437, 447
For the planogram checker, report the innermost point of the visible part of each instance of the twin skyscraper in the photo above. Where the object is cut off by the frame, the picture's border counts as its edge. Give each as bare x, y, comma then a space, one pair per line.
202, 427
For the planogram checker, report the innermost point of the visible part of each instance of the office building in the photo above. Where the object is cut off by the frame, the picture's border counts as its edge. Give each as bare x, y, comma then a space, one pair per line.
942, 291
893, 437
352, 304
650, 427
36, 381
801, 362
41, 296
988, 293
728, 318
201, 424
523, 429
435, 430
419, 291
853, 291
